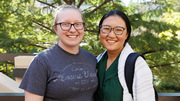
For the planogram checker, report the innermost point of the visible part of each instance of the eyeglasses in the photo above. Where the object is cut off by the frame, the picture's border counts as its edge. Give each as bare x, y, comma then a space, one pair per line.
106, 29
65, 26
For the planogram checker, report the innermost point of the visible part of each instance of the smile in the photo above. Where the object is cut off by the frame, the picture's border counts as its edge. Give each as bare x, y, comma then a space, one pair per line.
111, 41
72, 36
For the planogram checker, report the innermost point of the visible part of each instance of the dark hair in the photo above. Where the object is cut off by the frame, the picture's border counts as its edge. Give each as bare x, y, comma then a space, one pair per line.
123, 16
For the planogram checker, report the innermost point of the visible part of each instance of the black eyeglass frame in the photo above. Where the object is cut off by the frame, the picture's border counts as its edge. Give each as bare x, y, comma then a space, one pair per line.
113, 29
70, 25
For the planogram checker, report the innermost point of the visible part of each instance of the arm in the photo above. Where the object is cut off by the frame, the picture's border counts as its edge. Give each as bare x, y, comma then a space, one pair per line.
34, 81
32, 97
143, 87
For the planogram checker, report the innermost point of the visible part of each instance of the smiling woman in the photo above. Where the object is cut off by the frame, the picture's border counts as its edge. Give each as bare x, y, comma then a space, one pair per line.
64, 72
115, 31
70, 29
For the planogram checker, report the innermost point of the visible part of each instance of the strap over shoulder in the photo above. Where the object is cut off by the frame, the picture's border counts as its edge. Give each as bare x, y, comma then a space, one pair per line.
129, 70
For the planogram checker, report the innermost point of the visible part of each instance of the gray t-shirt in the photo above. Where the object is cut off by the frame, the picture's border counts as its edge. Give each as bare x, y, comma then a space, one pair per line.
61, 76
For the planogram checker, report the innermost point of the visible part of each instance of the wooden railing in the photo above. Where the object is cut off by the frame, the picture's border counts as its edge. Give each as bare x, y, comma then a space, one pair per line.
11, 96
20, 96
169, 96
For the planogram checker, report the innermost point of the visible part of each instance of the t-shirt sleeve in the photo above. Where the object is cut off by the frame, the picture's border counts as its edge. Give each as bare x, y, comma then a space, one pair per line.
35, 78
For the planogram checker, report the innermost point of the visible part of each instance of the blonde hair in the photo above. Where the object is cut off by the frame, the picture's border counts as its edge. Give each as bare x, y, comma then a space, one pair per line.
59, 9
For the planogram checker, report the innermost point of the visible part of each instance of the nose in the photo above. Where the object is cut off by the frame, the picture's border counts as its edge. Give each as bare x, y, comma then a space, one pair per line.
72, 29
111, 33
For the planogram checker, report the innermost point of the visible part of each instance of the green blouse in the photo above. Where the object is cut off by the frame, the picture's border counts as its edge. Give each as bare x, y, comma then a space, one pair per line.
109, 88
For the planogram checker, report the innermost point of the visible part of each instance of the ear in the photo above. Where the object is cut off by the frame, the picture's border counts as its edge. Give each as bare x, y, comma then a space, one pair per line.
126, 35
55, 29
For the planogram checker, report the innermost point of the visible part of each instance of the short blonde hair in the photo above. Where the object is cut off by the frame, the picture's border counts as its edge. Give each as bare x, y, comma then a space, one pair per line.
63, 7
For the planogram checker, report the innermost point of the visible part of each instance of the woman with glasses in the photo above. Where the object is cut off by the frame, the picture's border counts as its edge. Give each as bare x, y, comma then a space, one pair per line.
114, 31
64, 72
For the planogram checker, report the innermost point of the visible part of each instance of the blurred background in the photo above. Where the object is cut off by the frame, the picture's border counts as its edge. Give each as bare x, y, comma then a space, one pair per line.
26, 28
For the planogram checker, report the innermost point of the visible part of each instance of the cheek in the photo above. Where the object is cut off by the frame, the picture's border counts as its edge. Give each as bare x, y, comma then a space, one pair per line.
61, 33
125, 36
81, 32
122, 38
58, 30
102, 37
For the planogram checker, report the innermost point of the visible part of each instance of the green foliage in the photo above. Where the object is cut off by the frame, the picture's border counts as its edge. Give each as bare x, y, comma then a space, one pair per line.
166, 87
9, 70
26, 27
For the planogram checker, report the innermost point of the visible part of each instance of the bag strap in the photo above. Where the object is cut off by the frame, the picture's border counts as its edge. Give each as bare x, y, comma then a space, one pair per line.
129, 70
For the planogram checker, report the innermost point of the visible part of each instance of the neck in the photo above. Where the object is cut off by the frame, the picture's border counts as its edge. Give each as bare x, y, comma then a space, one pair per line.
72, 50
112, 55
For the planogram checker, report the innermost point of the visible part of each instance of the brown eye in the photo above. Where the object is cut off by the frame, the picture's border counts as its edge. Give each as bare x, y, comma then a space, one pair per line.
118, 29
107, 29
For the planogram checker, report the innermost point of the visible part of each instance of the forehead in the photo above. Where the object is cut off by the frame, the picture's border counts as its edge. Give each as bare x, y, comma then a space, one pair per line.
114, 20
69, 14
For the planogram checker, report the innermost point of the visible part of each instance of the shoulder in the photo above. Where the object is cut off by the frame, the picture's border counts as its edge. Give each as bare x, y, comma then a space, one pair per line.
143, 82
142, 67
87, 56
47, 51
100, 56
86, 53
45, 54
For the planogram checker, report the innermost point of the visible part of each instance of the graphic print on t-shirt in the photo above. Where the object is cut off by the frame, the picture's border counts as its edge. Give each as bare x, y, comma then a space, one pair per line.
78, 75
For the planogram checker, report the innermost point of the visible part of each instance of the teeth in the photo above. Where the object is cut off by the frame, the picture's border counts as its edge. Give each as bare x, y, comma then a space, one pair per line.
72, 36
111, 41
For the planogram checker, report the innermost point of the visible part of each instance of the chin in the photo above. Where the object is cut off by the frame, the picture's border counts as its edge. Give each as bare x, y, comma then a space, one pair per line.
74, 44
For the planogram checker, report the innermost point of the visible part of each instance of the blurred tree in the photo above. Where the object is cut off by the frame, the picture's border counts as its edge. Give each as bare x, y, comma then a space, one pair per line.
26, 27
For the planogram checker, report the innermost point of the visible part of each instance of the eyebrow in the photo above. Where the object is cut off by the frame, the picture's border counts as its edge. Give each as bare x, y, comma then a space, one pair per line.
106, 25
74, 21
115, 26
